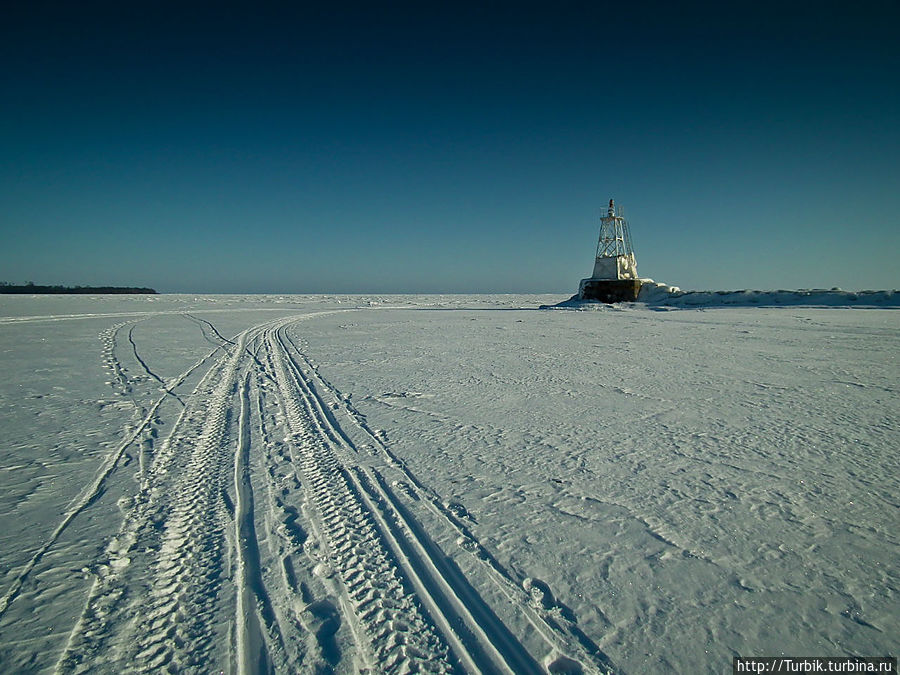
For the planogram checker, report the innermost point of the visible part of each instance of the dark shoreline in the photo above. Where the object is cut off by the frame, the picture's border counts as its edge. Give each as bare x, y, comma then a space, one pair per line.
31, 289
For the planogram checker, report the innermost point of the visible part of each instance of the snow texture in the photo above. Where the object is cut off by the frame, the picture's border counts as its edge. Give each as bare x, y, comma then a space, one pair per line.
446, 483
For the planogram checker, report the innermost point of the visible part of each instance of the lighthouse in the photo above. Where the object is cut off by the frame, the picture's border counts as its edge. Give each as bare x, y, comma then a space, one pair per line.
615, 277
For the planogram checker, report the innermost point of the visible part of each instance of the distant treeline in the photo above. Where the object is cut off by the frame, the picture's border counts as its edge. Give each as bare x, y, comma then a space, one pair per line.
32, 289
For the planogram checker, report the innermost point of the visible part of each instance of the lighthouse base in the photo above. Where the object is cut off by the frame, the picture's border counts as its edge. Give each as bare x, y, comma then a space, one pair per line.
609, 290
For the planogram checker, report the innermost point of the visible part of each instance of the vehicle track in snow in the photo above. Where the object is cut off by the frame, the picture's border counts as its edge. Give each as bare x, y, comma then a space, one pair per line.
262, 538
551, 619
167, 552
137, 430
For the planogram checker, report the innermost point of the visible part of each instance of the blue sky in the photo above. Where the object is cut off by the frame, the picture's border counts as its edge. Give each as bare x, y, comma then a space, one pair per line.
456, 147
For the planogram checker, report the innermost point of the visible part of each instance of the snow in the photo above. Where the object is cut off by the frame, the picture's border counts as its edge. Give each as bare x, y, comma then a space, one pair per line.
615, 267
448, 483
653, 293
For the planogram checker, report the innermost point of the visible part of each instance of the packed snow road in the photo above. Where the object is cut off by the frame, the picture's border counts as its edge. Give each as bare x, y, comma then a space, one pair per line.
334, 484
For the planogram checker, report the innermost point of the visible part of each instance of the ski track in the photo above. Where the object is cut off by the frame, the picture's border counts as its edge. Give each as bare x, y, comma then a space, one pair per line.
146, 368
204, 324
273, 531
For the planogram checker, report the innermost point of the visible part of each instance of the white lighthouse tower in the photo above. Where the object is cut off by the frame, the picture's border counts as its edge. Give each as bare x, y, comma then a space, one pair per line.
615, 277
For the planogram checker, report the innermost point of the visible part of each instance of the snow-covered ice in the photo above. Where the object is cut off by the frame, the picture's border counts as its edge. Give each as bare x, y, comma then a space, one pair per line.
446, 483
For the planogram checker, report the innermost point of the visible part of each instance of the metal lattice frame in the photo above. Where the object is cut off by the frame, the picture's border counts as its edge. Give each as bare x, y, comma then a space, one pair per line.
615, 255
615, 238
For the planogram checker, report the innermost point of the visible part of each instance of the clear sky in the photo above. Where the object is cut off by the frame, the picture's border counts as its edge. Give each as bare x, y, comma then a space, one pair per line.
448, 147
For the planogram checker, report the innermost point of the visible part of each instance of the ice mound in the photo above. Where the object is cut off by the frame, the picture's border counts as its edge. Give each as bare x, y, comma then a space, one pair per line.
653, 292
818, 297
658, 294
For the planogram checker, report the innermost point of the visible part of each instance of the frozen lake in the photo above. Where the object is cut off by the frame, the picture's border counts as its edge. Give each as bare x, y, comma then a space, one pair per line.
443, 483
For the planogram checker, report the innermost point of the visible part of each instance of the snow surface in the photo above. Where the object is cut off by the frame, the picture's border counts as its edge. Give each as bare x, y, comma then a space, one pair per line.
446, 483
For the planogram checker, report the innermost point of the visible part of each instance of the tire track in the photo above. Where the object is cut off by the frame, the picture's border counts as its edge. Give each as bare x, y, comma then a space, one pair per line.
96, 488
551, 619
174, 630
285, 539
256, 542
146, 604
253, 604
393, 633
478, 640
305, 605
156, 602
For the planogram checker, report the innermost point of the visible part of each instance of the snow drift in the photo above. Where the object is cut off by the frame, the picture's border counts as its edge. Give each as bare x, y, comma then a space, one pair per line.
657, 294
